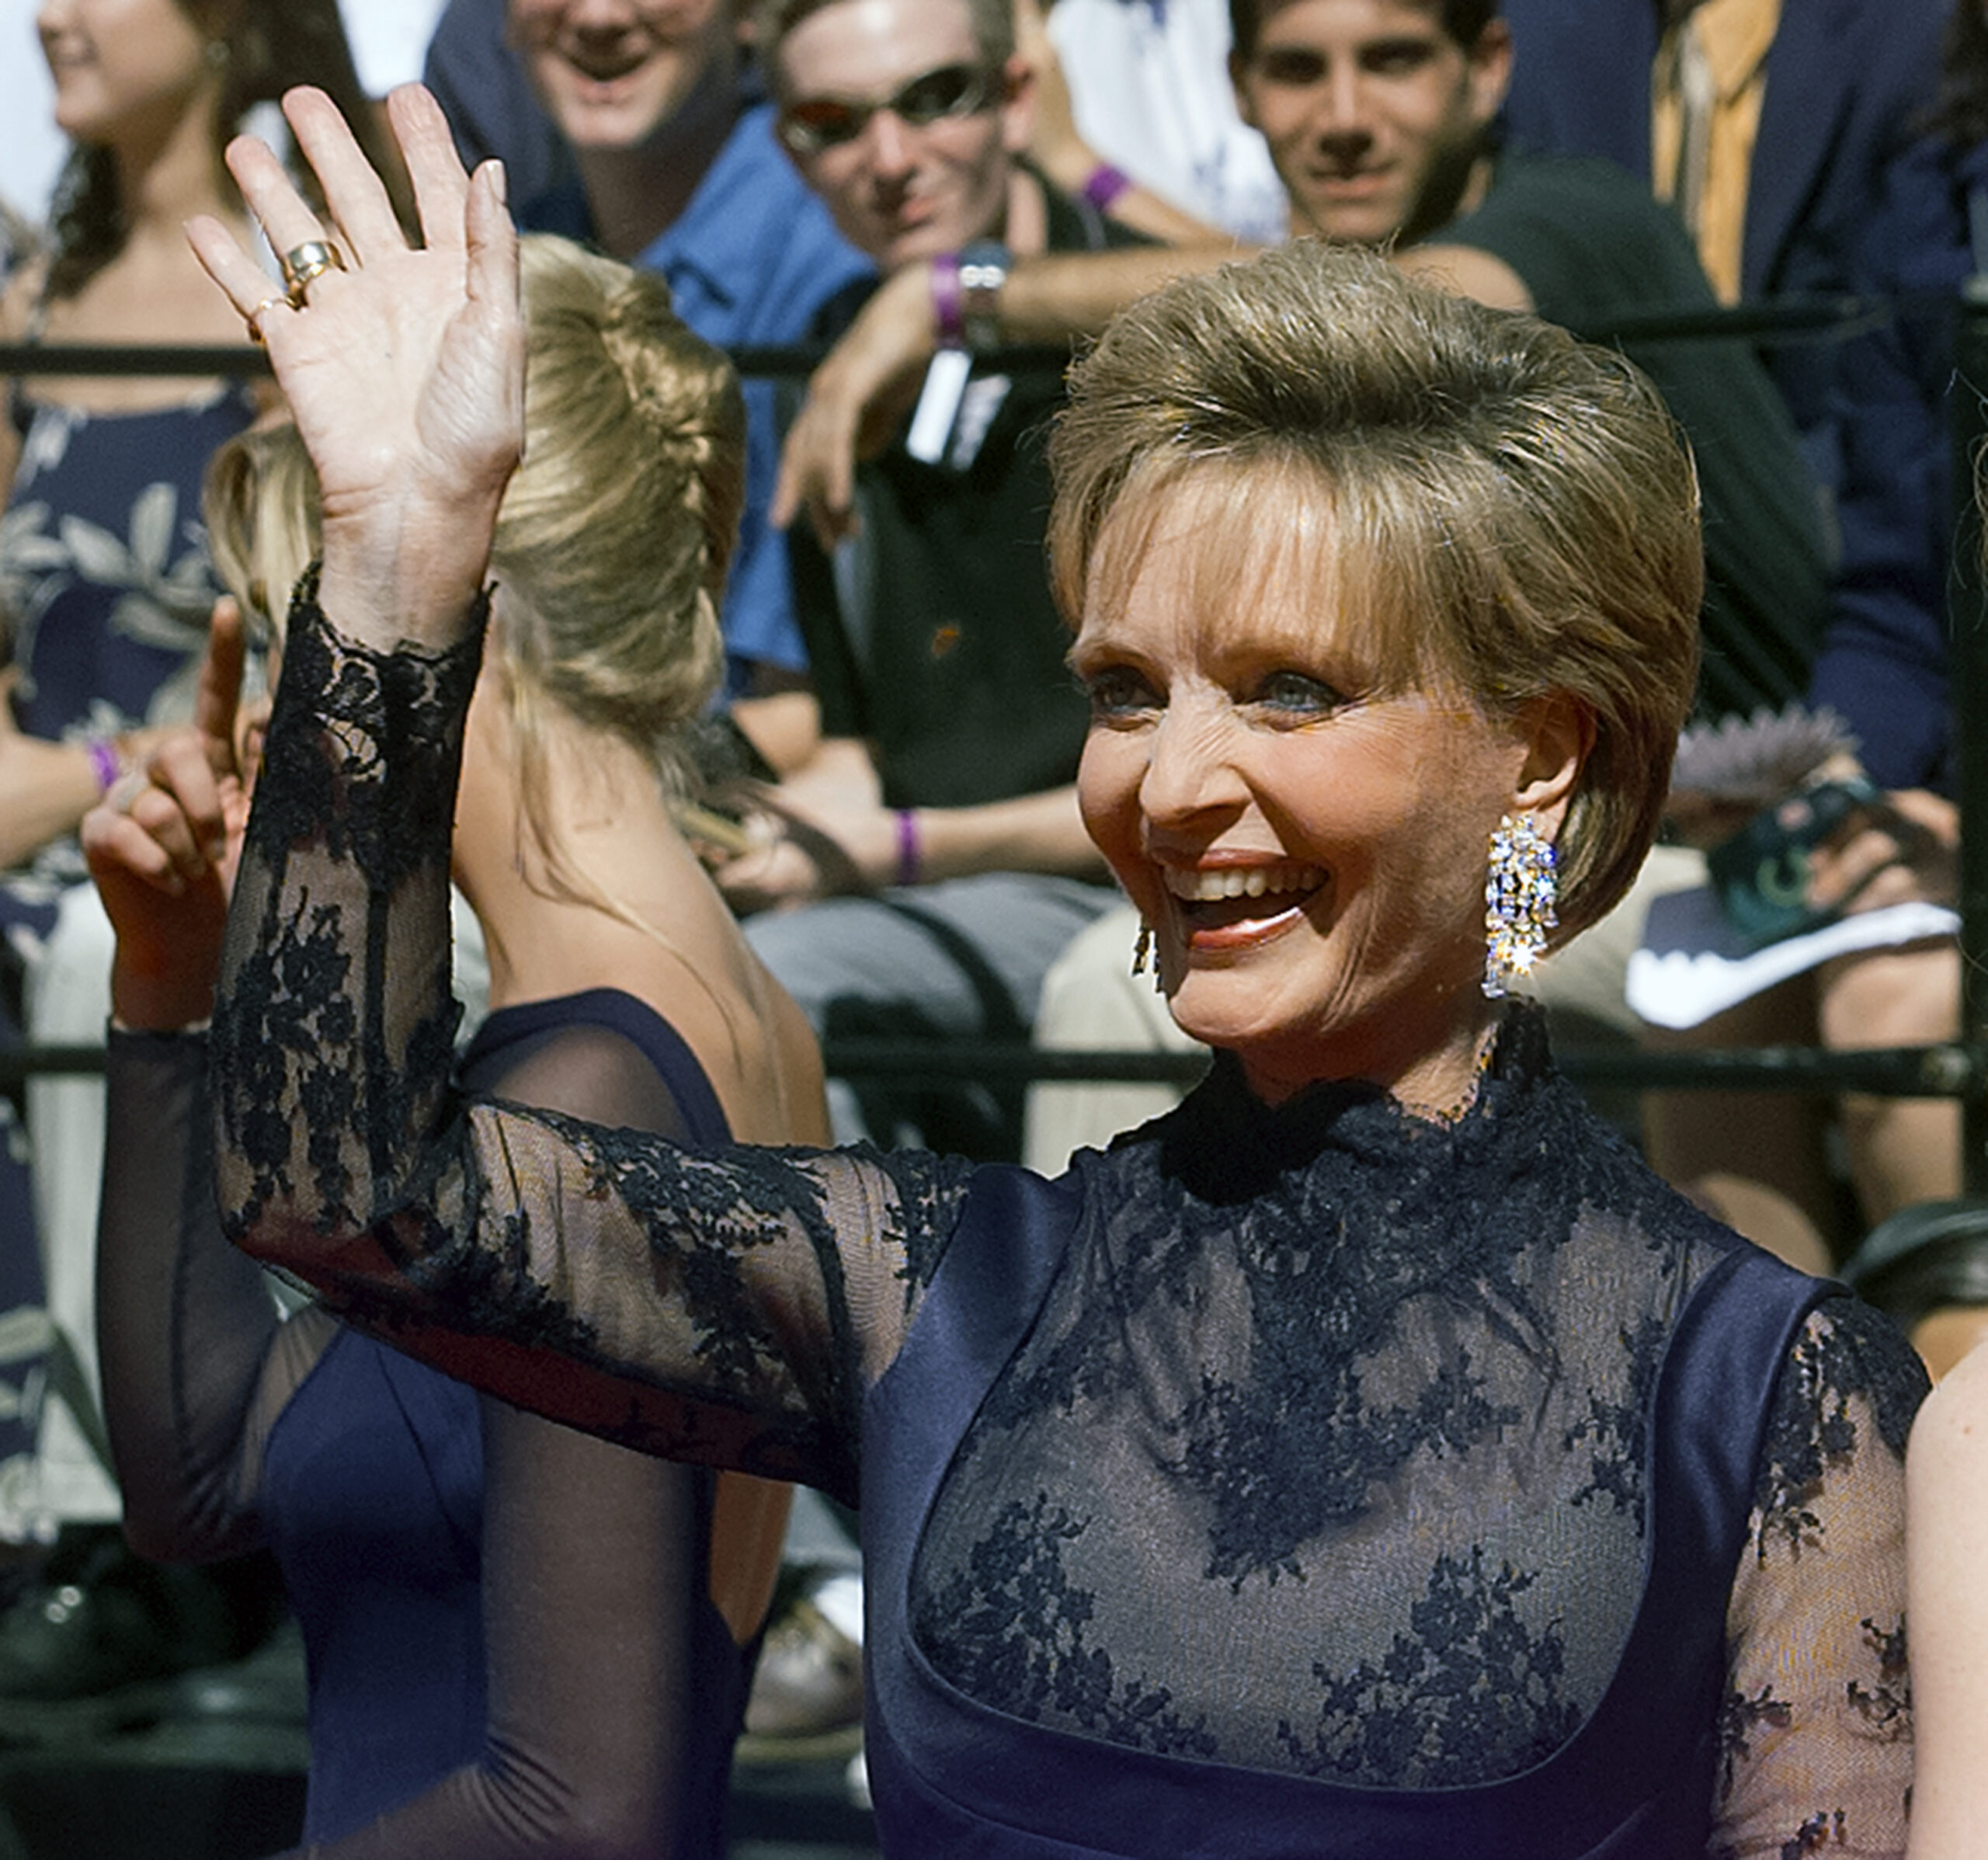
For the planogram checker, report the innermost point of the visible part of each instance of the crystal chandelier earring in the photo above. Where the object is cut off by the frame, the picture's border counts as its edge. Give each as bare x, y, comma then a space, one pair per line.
1520, 891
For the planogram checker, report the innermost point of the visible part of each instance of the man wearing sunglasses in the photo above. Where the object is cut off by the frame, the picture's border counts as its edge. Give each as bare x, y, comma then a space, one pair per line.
928, 861
1379, 116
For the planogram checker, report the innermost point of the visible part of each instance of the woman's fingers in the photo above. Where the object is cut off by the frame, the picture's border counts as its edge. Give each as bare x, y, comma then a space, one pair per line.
141, 828
255, 296
354, 193
287, 219
115, 843
491, 261
403, 369
181, 802
218, 694
441, 188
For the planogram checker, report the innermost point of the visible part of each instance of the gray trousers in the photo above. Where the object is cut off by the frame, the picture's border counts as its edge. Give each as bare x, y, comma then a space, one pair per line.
964, 957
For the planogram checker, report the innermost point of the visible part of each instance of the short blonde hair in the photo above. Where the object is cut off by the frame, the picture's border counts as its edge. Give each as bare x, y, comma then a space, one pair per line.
1518, 511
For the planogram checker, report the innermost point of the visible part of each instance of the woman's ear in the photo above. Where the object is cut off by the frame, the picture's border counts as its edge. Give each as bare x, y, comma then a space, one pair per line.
1558, 731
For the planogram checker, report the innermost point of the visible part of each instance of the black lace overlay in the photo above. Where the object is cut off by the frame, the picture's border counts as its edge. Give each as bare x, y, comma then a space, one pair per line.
1471, 1647
306, 1029
1019, 1565
1836, 1371
1615, 1429
1816, 1730
1357, 1405
732, 1306
1326, 1454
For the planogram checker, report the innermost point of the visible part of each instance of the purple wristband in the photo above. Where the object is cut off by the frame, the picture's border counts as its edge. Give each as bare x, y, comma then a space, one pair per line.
947, 317
1103, 185
104, 763
909, 853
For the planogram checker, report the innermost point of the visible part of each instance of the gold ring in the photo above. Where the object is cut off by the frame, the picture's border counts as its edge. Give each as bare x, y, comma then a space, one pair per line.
302, 264
254, 318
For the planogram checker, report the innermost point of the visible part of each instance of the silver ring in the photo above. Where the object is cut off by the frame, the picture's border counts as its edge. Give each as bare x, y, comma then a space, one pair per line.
302, 264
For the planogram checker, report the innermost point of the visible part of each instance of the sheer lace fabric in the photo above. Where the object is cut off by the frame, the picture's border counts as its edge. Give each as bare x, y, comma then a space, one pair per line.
1327, 1456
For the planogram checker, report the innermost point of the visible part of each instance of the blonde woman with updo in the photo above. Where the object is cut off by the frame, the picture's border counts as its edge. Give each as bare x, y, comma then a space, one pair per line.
521, 1641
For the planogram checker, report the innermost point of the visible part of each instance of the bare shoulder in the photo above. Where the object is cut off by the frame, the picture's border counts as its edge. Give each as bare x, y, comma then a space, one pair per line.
1946, 1468
762, 1058
754, 1044
798, 1056
1946, 1510
1953, 1420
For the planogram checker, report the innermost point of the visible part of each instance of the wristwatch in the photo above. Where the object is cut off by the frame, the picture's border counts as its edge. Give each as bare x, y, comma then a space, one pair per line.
984, 268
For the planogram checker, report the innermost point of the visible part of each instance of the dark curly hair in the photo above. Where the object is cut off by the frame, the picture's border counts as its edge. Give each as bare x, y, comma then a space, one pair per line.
270, 45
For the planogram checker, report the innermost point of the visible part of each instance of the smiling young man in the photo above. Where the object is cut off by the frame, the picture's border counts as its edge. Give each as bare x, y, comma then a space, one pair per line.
928, 862
670, 140
1376, 115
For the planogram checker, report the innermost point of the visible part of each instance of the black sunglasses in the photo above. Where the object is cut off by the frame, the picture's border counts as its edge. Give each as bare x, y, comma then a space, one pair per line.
813, 123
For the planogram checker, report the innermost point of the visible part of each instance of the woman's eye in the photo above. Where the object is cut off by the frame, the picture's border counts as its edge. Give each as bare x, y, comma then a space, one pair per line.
1117, 691
1296, 692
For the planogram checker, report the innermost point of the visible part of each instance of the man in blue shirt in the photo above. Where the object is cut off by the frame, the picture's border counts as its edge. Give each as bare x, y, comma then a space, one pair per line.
675, 169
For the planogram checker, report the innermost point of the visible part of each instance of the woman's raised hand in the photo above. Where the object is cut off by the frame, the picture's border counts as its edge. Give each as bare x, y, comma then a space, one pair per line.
403, 365
162, 846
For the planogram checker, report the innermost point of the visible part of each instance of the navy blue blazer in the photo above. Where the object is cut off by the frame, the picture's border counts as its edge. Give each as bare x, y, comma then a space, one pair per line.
1847, 80
1843, 173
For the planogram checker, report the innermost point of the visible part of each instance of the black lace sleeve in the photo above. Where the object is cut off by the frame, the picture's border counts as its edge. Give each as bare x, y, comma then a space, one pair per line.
729, 1307
1817, 1724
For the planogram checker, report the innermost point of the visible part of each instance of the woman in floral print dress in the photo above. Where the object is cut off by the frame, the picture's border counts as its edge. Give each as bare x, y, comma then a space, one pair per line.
105, 584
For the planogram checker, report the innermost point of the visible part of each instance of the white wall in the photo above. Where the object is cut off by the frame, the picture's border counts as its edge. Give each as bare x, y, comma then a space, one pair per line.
31, 147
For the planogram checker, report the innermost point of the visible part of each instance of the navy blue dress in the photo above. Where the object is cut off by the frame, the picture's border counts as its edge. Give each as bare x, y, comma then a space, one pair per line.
372, 1497
1317, 1479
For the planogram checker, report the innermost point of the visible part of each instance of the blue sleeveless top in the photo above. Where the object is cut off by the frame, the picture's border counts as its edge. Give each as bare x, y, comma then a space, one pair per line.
372, 1498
